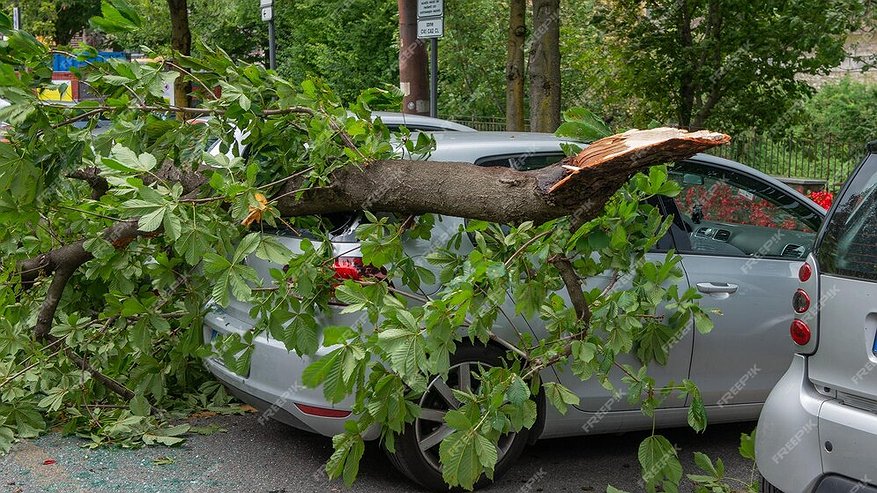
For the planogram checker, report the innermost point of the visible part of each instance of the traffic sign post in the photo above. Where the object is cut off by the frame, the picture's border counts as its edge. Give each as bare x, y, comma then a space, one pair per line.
431, 26
267, 8
16, 18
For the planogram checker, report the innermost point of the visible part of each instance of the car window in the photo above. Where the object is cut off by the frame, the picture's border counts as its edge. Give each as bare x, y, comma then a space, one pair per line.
848, 244
521, 162
728, 213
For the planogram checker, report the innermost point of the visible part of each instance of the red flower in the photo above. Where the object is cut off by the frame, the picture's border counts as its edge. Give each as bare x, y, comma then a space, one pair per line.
823, 198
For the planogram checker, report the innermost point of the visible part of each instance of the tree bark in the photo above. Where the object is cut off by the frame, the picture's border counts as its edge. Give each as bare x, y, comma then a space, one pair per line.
181, 42
686, 83
545, 67
579, 185
412, 61
514, 93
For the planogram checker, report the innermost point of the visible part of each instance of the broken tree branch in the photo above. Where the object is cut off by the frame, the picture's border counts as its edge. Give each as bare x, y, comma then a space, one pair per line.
500, 194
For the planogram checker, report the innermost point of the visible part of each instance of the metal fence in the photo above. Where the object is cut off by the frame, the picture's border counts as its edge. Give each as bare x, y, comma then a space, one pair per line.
485, 123
827, 159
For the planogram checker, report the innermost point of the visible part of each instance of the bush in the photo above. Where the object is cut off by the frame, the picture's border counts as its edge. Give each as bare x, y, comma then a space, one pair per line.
845, 110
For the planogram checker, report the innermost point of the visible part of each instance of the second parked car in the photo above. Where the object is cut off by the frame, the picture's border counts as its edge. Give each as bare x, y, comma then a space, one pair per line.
818, 429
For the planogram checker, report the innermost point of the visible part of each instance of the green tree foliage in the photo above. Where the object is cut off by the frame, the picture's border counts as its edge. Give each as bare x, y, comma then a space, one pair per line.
472, 58
846, 110
54, 20
351, 45
729, 64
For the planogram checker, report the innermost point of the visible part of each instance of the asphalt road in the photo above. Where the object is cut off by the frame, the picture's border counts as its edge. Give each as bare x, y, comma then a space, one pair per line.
250, 457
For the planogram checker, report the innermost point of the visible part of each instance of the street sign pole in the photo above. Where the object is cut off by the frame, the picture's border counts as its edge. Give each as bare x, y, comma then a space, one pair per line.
16, 18
267, 8
431, 25
433, 77
272, 46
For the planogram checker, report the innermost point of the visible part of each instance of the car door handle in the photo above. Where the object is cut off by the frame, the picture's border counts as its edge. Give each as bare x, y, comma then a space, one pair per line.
716, 287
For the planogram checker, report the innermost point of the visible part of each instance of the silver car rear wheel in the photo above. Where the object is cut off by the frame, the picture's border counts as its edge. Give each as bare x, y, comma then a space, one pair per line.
430, 429
417, 449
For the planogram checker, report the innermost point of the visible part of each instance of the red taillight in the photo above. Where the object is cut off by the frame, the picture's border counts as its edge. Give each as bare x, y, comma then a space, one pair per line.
348, 268
353, 268
800, 332
801, 301
322, 412
805, 272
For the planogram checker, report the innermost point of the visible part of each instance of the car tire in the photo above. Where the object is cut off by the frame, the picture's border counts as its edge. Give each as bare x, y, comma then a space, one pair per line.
767, 487
422, 466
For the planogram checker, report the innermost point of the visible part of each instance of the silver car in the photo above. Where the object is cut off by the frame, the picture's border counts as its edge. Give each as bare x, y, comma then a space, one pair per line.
742, 235
818, 428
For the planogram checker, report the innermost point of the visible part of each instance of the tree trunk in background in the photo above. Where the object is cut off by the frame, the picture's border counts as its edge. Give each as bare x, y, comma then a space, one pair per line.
545, 67
412, 61
514, 69
181, 41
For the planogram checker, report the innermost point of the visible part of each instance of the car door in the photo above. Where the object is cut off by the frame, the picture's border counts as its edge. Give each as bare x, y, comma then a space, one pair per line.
593, 397
743, 238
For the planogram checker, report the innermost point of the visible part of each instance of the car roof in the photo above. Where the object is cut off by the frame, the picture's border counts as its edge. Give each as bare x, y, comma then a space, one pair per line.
419, 122
472, 146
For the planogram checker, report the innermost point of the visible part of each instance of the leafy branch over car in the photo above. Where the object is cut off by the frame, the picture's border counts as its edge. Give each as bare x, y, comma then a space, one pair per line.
148, 228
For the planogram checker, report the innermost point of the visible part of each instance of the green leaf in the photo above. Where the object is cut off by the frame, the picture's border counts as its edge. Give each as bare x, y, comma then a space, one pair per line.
337, 334
702, 321
151, 222
559, 396
461, 465
7, 438
747, 445
518, 391
139, 406
117, 16
247, 246
344, 461
172, 226
273, 251
659, 461
581, 124
706, 465
457, 420
696, 410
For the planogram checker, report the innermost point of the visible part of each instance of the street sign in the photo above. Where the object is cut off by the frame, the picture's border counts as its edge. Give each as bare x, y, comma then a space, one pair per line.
267, 14
431, 27
430, 8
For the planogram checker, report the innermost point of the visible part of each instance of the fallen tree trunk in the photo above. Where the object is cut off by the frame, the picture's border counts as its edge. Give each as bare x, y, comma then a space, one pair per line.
578, 185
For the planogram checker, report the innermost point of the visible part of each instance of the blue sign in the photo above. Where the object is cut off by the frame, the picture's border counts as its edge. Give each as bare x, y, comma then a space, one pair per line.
63, 63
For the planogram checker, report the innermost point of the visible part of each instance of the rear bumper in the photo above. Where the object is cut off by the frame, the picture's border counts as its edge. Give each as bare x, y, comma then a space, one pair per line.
274, 385
795, 426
